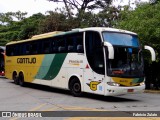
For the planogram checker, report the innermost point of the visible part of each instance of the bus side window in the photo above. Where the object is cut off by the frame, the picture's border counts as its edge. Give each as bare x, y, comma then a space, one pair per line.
70, 48
46, 47
61, 49
61, 45
54, 46
21, 49
79, 48
9, 50
34, 48
74, 42
70, 43
15, 50
27, 49
79, 43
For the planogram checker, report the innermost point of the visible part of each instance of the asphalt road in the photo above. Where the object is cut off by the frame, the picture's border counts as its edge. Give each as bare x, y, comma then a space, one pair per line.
42, 98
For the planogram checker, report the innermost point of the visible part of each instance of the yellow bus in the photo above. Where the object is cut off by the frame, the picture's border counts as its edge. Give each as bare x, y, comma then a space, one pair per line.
98, 60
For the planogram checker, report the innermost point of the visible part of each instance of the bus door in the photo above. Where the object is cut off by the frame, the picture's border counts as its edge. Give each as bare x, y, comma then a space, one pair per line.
94, 71
94, 83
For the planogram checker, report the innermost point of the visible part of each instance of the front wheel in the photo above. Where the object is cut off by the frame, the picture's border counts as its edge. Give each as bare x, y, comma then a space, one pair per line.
75, 87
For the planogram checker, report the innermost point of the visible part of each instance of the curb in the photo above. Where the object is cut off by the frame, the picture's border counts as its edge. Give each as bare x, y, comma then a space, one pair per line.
152, 91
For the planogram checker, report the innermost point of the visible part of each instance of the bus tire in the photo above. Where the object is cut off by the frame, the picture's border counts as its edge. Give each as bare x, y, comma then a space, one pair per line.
15, 78
75, 87
21, 80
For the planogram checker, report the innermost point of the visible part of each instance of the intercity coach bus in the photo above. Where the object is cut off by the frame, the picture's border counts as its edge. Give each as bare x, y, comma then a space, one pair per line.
98, 60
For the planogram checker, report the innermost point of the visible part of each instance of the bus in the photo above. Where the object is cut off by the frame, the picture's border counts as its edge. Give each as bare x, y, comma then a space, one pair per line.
98, 60
2, 56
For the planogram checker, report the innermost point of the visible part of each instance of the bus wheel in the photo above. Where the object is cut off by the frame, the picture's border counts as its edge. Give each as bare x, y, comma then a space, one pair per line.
15, 78
75, 87
21, 80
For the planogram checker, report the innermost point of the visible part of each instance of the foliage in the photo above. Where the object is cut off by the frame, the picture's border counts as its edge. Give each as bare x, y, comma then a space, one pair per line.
30, 26
82, 5
105, 18
5, 18
14, 26
53, 22
144, 21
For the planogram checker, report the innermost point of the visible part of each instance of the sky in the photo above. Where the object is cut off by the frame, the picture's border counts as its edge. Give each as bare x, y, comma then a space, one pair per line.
29, 6
33, 6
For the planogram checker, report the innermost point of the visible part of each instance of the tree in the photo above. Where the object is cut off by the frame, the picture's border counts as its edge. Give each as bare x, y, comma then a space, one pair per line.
85, 15
19, 15
82, 5
153, 1
6, 18
9, 17
53, 22
22, 28
30, 26
27, 32
104, 18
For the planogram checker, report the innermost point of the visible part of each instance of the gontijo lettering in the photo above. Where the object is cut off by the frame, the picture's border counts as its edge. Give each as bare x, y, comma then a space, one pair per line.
26, 60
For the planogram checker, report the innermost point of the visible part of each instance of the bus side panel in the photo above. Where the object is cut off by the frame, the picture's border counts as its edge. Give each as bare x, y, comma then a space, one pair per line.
73, 66
10, 67
28, 65
51, 71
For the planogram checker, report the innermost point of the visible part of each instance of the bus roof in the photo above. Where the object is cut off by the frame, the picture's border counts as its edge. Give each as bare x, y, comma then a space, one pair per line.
45, 35
101, 29
59, 33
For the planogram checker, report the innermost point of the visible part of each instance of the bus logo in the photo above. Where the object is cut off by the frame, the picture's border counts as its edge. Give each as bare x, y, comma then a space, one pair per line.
26, 60
93, 85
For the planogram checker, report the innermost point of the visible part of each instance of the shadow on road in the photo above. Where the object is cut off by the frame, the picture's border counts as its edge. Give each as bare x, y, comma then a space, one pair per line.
3, 77
109, 98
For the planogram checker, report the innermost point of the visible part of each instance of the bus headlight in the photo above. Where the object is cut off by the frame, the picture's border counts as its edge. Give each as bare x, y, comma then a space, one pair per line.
113, 84
142, 83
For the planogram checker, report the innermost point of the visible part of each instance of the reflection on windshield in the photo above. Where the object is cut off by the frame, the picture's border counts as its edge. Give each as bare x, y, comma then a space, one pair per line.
127, 62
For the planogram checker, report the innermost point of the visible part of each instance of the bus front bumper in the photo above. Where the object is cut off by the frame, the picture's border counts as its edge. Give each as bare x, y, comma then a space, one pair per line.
115, 90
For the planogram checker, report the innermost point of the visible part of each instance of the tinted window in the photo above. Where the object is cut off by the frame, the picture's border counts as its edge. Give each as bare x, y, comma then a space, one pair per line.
74, 42
59, 44
94, 51
46, 46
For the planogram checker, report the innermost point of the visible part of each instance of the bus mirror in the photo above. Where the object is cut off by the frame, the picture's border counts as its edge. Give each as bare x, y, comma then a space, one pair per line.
110, 50
153, 54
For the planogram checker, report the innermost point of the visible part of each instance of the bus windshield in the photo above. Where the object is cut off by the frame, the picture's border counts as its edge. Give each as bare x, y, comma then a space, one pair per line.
121, 39
128, 60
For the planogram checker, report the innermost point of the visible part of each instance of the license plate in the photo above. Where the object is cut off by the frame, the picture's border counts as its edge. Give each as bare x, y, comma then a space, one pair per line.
130, 90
